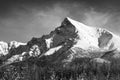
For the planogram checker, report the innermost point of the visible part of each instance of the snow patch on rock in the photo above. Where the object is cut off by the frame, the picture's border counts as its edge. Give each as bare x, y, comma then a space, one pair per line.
14, 58
52, 50
48, 42
15, 44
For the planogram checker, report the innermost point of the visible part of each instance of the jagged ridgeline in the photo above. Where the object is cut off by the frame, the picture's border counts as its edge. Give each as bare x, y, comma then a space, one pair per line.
73, 51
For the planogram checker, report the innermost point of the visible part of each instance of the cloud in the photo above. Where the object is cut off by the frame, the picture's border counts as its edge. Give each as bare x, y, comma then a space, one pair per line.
94, 18
25, 21
22, 25
108, 19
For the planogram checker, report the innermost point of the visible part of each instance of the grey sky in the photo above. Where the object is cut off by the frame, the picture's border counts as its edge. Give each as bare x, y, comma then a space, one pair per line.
21, 20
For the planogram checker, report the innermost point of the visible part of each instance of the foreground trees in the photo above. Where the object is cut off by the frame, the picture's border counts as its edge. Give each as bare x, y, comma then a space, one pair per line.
79, 69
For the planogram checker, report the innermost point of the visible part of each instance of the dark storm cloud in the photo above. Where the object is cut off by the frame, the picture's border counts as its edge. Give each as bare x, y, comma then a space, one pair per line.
22, 19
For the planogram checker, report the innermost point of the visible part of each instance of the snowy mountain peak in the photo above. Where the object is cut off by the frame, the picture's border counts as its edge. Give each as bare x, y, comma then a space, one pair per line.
68, 21
91, 37
70, 40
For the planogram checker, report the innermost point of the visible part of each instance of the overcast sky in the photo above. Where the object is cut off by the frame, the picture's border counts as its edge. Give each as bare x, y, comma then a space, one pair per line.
21, 20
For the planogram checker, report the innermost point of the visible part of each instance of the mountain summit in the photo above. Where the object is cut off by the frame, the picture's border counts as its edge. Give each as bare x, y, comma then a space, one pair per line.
92, 37
70, 40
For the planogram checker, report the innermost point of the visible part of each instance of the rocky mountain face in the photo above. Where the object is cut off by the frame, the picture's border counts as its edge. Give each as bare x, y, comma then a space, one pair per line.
67, 42
71, 39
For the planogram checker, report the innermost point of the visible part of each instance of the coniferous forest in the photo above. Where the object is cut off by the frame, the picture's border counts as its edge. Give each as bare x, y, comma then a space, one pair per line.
78, 69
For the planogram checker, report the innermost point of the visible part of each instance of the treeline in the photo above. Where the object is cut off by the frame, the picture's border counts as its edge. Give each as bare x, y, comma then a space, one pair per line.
79, 69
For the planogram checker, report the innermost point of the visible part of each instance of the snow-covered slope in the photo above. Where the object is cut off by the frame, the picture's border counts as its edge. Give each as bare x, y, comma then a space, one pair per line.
94, 38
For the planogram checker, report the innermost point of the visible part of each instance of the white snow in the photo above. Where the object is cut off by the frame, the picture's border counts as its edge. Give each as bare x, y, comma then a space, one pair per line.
23, 53
89, 36
52, 50
48, 42
3, 48
13, 59
86, 34
15, 44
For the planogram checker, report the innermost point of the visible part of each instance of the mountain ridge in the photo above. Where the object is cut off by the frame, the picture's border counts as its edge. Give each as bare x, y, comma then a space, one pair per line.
70, 40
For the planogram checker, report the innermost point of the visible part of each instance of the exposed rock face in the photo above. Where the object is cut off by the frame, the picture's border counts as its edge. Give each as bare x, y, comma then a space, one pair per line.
70, 40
